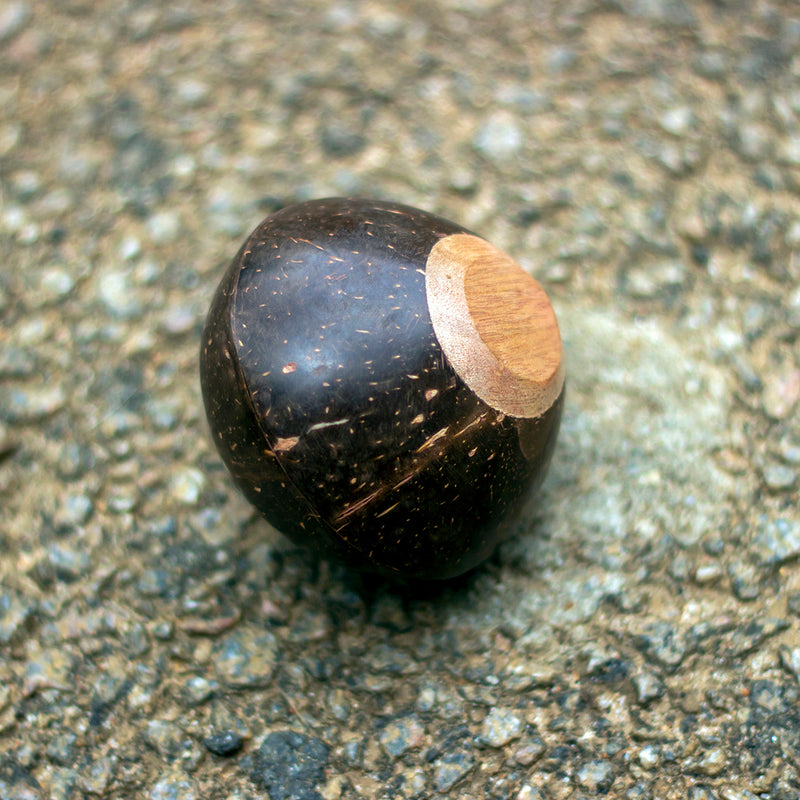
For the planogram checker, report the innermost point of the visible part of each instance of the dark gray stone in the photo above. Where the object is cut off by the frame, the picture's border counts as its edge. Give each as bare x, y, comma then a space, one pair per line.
289, 765
224, 744
451, 768
663, 644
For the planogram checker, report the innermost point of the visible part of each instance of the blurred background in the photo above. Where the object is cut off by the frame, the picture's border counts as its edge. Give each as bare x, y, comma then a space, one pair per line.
639, 637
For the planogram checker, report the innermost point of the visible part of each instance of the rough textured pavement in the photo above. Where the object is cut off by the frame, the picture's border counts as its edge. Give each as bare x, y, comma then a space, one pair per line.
639, 638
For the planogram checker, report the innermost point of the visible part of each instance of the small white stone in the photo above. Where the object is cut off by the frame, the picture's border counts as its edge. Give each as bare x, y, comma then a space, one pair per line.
129, 248
677, 121
649, 756
500, 727
499, 138
187, 485
163, 227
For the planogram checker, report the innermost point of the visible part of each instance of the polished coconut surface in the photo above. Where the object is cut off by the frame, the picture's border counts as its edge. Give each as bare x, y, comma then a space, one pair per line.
337, 408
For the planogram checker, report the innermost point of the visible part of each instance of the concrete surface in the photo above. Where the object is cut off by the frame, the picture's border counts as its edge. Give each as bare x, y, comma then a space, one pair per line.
638, 638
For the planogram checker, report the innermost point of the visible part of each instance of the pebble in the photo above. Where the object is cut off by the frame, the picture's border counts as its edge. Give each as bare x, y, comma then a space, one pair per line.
677, 121
62, 783
118, 295
96, 778
736, 793
463, 180
750, 379
500, 727
14, 219
225, 212
137, 641
311, 626
246, 659
451, 768
385, 658
25, 184
648, 687
781, 393
158, 583
48, 669
122, 500
650, 756
54, 285
707, 574
522, 98
164, 630
561, 58
69, 563
427, 698
13, 18
676, 159
523, 674
24, 787
745, 580
596, 777
177, 788
789, 450
752, 141
499, 138
790, 659
402, 735
164, 414
74, 511
166, 738
713, 762
528, 792
749, 638
655, 280
670, 12
14, 611
530, 751
289, 765
777, 539
107, 692
779, 477
197, 690
338, 704
793, 603
10, 133
130, 248
179, 319
340, 139
54, 203
387, 611
30, 405
119, 423
680, 568
16, 362
702, 793
224, 744
352, 752
164, 227
187, 485
788, 151
414, 783
663, 644
711, 64
163, 527
604, 663
61, 748
192, 92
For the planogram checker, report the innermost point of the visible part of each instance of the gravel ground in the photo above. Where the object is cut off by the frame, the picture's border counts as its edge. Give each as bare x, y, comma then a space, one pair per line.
639, 637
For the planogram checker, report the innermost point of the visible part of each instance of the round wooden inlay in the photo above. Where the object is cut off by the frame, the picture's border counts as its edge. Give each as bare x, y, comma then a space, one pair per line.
495, 324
